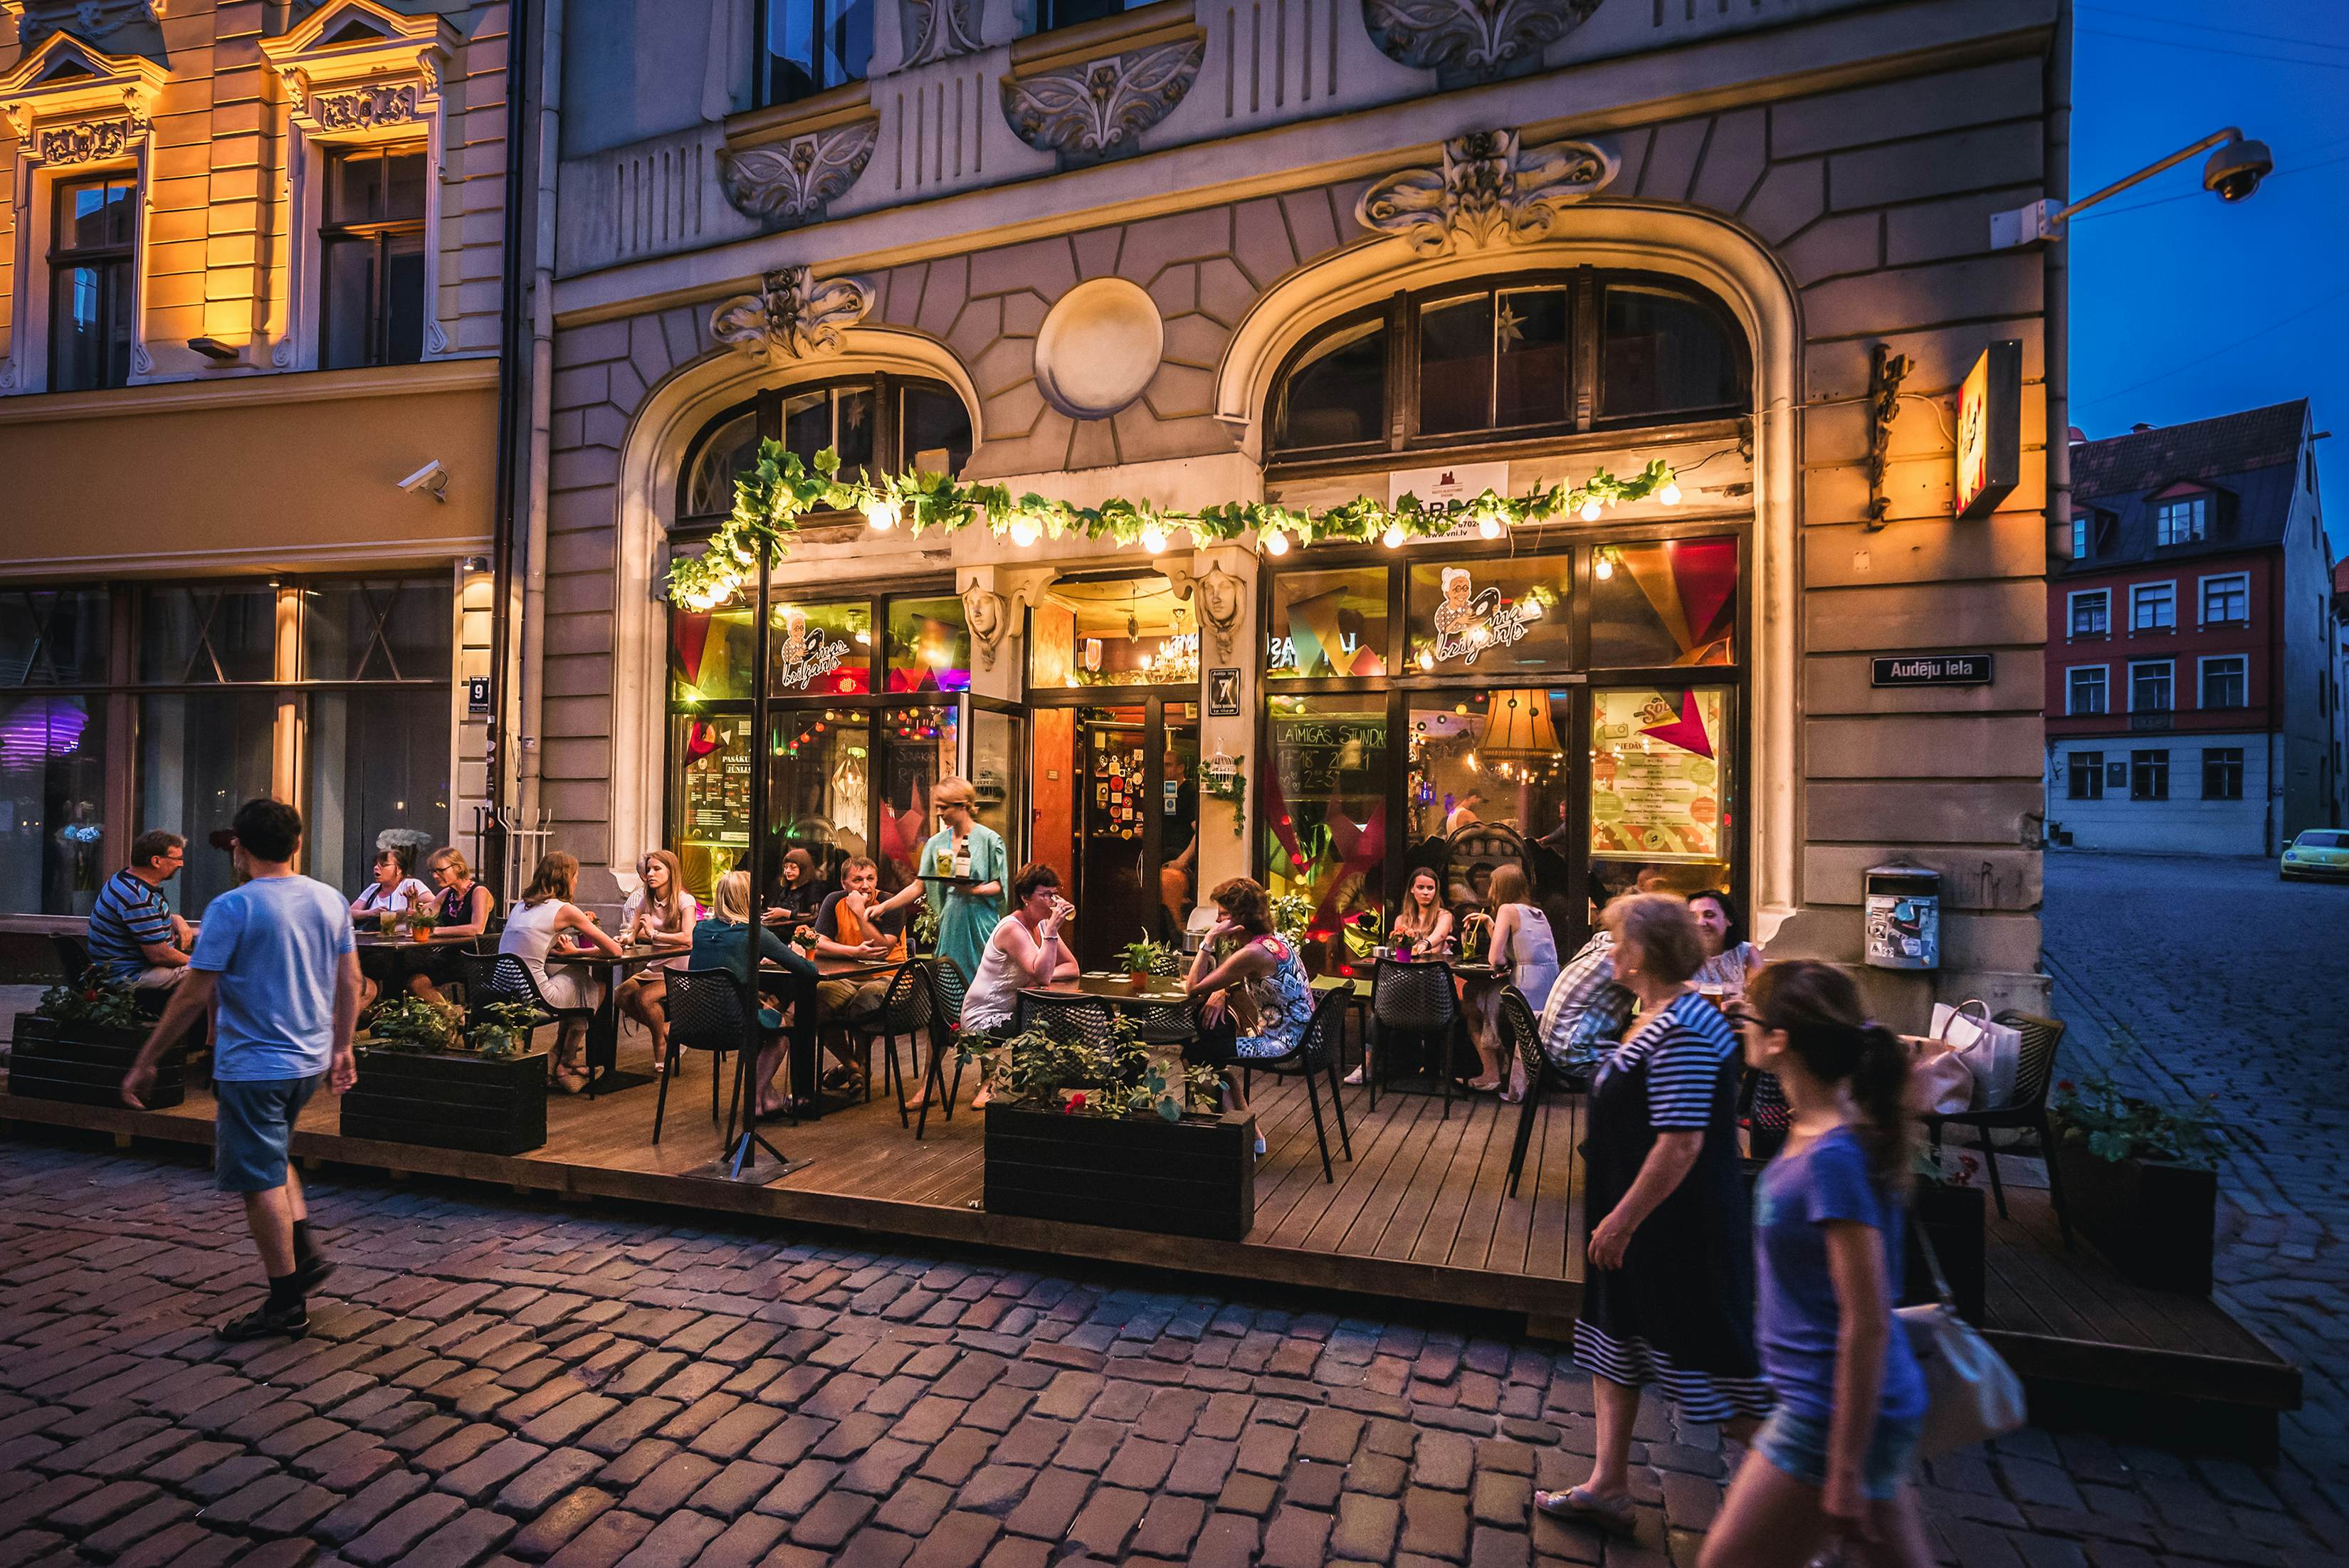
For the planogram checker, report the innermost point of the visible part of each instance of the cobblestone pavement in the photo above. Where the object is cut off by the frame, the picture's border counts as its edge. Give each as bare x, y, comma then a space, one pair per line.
2199, 978
491, 1380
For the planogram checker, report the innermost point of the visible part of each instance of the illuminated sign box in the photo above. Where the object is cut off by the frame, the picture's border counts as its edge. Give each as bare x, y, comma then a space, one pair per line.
1990, 428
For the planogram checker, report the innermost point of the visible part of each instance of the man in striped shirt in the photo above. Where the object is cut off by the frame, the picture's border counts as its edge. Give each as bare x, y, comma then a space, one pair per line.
135, 937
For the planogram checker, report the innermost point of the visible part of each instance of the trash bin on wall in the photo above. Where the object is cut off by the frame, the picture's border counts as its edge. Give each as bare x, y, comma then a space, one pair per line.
1904, 917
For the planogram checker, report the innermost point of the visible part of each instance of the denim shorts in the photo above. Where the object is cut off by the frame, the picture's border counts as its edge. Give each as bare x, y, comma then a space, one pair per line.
1798, 1446
252, 1129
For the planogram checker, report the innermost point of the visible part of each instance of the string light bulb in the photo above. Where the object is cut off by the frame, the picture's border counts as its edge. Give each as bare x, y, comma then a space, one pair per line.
1489, 526
1153, 539
1276, 541
1670, 495
1604, 567
1393, 537
1592, 510
881, 514
1023, 530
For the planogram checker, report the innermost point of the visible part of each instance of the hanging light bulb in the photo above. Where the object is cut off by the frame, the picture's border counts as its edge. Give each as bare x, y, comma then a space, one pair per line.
1023, 530
1427, 659
1592, 510
881, 514
1670, 495
1276, 541
1393, 537
1153, 539
1605, 567
1489, 526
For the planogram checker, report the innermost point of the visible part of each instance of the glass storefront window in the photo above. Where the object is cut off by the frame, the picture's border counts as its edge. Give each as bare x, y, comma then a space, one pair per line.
999, 774
1322, 812
52, 789
818, 771
1668, 602
1336, 393
1328, 624
191, 636
709, 808
200, 758
1662, 807
710, 656
820, 650
395, 629
917, 750
378, 764
53, 636
1490, 785
929, 648
1490, 617
725, 454
1118, 631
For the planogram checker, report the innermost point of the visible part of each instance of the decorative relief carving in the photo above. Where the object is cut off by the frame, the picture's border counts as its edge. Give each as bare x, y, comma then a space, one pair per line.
1465, 41
792, 317
986, 614
785, 184
939, 29
87, 142
84, 18
1223, 602
1098, 110
367, 107
1487, 187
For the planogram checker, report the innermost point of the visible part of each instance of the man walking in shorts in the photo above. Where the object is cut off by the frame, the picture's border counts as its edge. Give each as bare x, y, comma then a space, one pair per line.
277, 955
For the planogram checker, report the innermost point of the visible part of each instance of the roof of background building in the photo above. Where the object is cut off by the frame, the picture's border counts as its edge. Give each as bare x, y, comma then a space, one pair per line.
2250, 458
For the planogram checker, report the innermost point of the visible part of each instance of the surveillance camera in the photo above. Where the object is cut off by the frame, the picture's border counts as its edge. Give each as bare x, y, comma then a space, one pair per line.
432, 479
2235, 170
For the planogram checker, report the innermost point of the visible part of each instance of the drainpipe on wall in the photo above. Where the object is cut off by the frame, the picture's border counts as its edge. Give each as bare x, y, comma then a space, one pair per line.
498, 761
547, 155
2056, 261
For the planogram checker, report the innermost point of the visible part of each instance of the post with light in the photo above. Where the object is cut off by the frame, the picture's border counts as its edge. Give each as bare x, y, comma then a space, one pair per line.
2231, 173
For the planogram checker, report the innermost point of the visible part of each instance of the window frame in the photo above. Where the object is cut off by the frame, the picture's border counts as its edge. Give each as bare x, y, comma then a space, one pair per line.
123, 254
2163, 539
2169, 668
763, 83
1585, 355
2138, 591
888, 389
2202, 681
2220, 579
380, 235
2077, 599
2084, 782
2227, 763
2103, 684
2149, 774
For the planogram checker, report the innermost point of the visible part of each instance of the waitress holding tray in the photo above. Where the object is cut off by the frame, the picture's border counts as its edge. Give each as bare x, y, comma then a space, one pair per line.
963, 849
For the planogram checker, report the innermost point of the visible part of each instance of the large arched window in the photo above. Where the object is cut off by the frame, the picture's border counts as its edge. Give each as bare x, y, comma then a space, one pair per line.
1510, 358
893, 423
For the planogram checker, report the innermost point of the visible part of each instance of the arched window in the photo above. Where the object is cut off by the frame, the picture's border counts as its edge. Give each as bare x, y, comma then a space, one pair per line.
1510, 358
892, 421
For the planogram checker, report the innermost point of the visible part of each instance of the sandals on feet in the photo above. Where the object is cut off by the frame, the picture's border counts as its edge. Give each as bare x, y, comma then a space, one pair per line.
1616, 1515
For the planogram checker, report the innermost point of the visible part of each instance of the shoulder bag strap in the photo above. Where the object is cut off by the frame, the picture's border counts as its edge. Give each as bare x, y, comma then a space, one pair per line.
1932, 1263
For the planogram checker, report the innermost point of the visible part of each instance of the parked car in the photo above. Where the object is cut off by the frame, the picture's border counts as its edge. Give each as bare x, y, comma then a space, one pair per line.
2318, 852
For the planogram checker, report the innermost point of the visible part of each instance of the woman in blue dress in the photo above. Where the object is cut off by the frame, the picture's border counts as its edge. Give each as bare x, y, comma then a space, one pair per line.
968, 912
1261, 987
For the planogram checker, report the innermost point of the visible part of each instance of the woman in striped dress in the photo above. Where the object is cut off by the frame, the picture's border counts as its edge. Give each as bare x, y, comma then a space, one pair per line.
1669, 1293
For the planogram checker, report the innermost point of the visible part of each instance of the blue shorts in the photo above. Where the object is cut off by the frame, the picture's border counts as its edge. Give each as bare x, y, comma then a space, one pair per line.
253, 1128
1798, 1446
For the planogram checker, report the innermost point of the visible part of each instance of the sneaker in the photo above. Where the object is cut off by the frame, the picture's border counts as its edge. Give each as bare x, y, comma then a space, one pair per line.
313, 1272
262, 1324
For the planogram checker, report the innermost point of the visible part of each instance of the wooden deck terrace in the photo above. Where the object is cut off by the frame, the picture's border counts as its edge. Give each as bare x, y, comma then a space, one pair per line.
1421, 1214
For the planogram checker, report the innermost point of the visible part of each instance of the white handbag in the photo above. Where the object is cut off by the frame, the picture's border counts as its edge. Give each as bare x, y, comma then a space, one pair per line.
1990, 1050
1970, 1395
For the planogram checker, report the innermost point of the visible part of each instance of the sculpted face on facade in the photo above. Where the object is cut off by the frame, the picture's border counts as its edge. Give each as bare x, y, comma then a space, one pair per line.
792, 317
1488, 187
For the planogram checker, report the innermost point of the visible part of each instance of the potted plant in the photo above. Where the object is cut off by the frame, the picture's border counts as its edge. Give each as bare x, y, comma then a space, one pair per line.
81, 1038
1101, 1133
420, 923
1947, 1208
1143, 959
2139, 1179
424, 1079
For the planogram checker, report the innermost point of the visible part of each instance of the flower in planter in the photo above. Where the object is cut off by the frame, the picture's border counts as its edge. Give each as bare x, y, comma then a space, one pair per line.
413, 1023
503, 1030
1074, 1104
1113, 1078
2095, 1115
92, 999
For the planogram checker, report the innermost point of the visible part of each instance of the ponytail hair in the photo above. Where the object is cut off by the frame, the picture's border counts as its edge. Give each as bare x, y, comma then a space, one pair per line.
1818, 1007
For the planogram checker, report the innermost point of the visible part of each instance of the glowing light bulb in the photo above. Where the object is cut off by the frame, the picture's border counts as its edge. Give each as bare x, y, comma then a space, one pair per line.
1671, 493
1427, 659
881, 512
1276, 541
1024, 531
1393, 537
1605, 567
1489, 526
1591, 511
1154, 538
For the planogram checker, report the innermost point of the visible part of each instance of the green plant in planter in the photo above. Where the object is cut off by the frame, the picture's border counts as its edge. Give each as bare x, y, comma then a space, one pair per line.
1044, 1069
503, 1030
93, 999
420, 923
1144, 956
413, 1023
2095, 1115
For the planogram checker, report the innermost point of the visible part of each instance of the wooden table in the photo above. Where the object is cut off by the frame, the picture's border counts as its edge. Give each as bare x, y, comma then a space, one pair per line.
603, 1074
379, 954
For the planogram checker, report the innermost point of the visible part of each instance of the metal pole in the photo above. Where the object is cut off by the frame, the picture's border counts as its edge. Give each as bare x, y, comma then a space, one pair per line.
746, 1076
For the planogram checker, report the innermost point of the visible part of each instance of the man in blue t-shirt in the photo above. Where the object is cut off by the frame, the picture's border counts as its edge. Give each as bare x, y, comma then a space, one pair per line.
277, 955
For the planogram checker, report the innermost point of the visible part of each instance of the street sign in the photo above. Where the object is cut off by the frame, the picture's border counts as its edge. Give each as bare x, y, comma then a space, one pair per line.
1990, 428
1931, 669
477, 696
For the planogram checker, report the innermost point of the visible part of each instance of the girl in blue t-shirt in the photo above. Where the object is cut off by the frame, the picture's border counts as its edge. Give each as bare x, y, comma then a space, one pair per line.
1836, 1455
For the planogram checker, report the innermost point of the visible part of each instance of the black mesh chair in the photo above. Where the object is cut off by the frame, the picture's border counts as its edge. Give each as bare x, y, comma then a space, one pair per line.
1412, 1001
73, 955
909, 1008
2034, 1071
948, 984
709, 1010
1317, 1051
1085, 1018
1521, 1037
493, 977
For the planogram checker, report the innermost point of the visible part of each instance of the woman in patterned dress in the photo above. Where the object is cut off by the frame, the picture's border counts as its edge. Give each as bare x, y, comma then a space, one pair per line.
1669, 1295
1260, 988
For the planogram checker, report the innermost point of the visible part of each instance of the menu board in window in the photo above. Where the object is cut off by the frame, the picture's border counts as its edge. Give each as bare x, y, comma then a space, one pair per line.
1659, 773
718, 780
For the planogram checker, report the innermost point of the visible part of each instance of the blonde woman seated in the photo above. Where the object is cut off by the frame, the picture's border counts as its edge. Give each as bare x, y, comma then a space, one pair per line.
545, 916
725, 940
660, 914
1423, 930
464, 907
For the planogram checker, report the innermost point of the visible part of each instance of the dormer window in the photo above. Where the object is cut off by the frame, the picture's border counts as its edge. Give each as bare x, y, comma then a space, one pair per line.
2184, 520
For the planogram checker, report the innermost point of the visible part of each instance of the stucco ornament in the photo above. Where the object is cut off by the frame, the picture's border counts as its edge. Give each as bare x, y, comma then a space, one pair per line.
1223, 599
986, 614
1487, 187
1465, 41
1098, 110
784, 184
364, 107
84, 18
88, 141
939, 29
792, 317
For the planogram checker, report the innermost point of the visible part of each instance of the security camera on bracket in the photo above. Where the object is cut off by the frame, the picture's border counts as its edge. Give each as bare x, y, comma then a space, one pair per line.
2231, 172
431, 480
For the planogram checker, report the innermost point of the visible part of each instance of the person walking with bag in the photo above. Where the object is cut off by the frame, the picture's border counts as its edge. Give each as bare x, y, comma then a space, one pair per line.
278, 956
1835, 1459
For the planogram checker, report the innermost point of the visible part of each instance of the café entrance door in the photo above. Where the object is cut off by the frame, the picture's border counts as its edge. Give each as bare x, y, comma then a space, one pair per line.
1116, 786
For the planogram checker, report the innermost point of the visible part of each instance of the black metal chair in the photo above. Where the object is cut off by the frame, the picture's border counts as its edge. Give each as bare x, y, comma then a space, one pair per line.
948, 984
493, 977
1317, 1051
73, 955
1085, 1018
1521, 1037
709, 1010
1412, 1001
2034, 1072
909, 1007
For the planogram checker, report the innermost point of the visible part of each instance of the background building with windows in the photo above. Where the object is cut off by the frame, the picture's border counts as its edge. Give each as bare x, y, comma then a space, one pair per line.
2193, 664
250, 280
1192, 254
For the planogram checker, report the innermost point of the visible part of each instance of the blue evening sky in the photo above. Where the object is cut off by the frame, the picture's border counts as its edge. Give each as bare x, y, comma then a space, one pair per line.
2183, 306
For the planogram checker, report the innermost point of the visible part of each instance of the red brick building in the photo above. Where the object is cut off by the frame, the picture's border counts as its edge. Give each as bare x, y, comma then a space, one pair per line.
2193, 670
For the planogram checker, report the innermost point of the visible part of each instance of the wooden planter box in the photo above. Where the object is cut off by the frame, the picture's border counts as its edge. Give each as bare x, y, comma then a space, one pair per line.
84, 1063
1953, 1218
2154, 1221
449, 1099
1196, 1177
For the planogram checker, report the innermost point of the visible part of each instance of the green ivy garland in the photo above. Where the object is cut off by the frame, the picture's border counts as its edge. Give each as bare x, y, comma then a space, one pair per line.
774, 496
